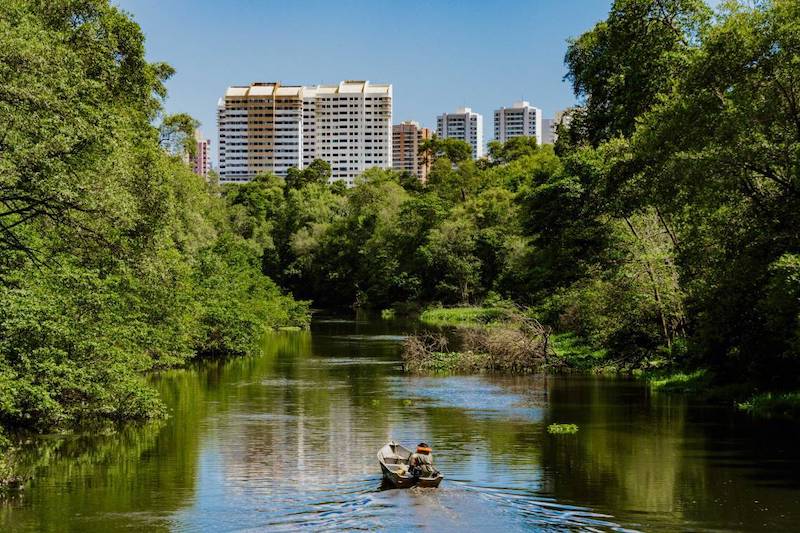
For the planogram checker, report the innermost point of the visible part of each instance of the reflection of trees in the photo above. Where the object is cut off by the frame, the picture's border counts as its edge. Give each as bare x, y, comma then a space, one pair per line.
90, 481
485, 443
122, 472
627, 454
654, 458
302, 416
510, 438
305, 418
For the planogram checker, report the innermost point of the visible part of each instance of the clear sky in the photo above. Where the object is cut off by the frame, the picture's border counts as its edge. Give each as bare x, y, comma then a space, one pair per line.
439, 55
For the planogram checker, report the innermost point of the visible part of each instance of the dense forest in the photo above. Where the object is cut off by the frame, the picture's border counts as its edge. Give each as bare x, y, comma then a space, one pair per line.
115, 258
662, 228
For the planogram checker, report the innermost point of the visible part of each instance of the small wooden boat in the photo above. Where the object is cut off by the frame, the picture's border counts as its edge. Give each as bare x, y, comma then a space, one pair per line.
393, 458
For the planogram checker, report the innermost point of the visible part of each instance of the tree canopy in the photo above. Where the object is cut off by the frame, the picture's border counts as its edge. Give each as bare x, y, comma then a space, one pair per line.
662, 228
115, 258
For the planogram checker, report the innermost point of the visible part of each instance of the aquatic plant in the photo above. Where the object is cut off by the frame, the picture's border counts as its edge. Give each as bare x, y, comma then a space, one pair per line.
562, 429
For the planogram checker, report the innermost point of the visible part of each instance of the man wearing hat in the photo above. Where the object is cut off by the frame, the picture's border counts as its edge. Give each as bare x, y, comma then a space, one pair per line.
421, 463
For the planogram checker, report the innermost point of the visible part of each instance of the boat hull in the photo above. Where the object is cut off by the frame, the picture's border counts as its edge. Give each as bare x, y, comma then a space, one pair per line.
429, 482
395, 480
405, 482
399, 478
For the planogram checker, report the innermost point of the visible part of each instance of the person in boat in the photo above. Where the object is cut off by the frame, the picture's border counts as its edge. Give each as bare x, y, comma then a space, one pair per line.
420, 464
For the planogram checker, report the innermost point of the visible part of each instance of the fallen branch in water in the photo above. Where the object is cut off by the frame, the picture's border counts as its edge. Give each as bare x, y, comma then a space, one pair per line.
520, 344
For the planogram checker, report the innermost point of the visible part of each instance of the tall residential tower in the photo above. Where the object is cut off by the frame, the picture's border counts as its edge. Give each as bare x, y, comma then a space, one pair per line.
406, 139
465, 125
550, 126
270, 127
521, 119
201, 161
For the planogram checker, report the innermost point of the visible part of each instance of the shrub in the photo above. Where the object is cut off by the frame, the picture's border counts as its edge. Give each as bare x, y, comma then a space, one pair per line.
773, 405
520, 344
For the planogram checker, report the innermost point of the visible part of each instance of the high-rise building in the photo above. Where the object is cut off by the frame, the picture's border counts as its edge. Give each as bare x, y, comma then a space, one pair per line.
406, 140
521, 119
270, 127
201, 162
548, 131
550, 126
465, 125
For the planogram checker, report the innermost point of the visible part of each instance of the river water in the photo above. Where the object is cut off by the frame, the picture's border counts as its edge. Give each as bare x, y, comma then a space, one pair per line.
287, 440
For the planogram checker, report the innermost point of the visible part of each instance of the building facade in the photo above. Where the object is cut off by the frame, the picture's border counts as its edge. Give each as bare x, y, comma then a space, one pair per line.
201, 162
270, 127
550, 126
406, 140
548, 131
521, 119
465, 125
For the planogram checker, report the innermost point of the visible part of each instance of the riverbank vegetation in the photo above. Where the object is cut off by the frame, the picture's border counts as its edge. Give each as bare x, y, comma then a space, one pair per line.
660, 233
115, 258
465, 316
565, 350
517, 344
773, 405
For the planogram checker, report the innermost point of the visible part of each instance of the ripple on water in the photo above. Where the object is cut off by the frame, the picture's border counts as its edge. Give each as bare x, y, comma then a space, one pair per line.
303, 384
361, 505
368, 338
471, 394
349, 361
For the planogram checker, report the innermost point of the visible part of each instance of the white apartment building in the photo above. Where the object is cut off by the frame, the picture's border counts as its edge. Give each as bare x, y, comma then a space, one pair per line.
465, 125
521, 119
270, 127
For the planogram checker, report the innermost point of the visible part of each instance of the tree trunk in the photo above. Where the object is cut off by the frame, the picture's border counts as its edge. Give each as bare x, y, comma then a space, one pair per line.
656, 292
669, 231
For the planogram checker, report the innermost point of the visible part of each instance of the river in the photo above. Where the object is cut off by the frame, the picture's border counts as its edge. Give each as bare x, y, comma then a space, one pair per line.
287, 439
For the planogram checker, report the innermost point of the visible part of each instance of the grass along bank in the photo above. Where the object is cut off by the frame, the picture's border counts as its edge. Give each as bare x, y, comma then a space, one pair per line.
465, 316
506, 339
703, 384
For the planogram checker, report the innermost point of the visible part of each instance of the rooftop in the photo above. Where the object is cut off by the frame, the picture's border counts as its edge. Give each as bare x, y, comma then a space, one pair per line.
277, 89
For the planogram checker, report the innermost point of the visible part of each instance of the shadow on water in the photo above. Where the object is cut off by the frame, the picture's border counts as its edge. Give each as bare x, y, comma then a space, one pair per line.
288, 438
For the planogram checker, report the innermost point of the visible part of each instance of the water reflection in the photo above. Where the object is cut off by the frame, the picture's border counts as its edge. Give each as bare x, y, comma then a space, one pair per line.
288, 439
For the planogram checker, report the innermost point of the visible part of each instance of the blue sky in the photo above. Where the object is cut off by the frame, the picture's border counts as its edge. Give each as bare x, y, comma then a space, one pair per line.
439, 55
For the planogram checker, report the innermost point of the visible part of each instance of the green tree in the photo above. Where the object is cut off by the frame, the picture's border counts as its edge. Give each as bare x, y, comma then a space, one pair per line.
730, 180
176, 134
511, 150
116, 258
318, 171
620, 67
454, 150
